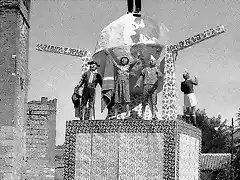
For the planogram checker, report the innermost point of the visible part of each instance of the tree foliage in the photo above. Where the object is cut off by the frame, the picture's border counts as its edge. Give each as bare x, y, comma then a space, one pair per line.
216, 138
215, 133
236, 157
238, 115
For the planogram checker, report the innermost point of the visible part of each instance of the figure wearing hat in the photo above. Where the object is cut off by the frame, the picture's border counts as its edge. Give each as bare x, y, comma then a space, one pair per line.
89, 81
149, 76
190, 101
122, 91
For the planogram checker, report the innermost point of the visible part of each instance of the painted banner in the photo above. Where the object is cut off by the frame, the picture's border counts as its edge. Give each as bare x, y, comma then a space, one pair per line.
61, 50
197, 38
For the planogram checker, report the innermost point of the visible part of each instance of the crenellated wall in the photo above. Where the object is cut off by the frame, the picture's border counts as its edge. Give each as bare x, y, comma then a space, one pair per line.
41, 138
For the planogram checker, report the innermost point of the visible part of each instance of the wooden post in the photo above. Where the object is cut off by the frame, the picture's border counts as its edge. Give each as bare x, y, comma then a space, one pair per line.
232, 146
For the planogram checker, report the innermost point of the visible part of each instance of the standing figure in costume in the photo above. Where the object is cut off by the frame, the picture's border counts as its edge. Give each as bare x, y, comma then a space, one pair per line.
76, 101
122, 91
90, 79
149, 76
190, 101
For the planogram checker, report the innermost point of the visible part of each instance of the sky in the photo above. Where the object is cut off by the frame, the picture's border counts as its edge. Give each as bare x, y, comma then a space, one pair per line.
77, 24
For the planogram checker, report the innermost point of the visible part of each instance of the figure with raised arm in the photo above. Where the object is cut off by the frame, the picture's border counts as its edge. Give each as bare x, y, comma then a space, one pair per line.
122, 91
149, 76
89, 81
190, 101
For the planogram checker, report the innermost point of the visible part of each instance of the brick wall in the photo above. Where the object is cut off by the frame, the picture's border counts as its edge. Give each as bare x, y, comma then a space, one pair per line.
8, 35
14, 34
41, 138
59, 163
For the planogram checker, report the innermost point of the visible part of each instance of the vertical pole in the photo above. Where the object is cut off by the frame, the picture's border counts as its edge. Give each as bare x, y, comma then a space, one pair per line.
232, 146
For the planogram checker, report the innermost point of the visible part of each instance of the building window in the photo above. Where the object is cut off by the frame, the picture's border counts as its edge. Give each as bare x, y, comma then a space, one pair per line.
21, 83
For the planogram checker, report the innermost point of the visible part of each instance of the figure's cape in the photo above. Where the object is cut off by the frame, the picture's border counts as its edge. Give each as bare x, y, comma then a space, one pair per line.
76, 99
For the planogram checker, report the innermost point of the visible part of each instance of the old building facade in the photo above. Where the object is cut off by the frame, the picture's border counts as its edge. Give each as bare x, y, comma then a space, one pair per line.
14, 42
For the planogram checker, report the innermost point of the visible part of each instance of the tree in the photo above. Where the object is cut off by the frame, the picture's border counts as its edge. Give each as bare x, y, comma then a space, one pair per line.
236, 164
216, 138
236, 156
238, 117
215, 133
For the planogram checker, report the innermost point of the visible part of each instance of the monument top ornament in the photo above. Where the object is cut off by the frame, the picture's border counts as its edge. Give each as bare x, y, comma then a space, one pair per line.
129, 30
141, 39
137, 38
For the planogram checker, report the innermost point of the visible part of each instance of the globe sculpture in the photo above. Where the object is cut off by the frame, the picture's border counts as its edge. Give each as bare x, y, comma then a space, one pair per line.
131, 37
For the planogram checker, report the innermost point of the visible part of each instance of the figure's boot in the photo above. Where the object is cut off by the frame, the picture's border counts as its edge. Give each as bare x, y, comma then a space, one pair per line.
154, 116
188, 119
143, 111
83, 113
128, 111
115, 111
77, 112
153, 111
90, 113
184, 117
193, 120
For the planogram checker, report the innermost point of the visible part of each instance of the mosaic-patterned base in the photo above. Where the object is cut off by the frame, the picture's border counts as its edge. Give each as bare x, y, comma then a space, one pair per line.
189, 152
122, 149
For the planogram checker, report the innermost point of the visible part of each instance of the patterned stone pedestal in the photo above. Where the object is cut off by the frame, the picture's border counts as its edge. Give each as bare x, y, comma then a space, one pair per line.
131, 149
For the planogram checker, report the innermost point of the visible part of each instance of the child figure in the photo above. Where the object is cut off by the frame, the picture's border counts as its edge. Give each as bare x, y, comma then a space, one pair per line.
122, 91
190, 100
149, 76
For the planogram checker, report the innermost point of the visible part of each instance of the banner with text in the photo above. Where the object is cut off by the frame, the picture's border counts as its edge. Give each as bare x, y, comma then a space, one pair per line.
61, 50
197, 38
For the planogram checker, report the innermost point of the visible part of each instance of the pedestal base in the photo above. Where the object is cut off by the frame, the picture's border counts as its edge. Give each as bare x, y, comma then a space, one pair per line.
131, 149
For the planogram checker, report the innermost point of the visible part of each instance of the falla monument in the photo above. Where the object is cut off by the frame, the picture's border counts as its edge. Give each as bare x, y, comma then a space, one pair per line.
136, 146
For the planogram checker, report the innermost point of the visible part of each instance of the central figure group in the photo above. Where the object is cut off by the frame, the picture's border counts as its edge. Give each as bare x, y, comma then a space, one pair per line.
149, 78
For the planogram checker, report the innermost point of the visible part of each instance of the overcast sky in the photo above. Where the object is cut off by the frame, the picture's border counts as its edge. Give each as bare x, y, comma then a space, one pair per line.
77, 23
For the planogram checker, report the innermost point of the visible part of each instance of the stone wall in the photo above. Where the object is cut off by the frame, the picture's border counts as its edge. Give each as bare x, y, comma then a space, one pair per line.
41, 138
14, 33
8, 35
59, 163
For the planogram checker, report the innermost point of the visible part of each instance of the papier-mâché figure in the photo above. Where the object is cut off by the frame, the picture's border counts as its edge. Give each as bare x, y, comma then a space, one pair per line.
149, 76
122, 91
90, 79
190, 101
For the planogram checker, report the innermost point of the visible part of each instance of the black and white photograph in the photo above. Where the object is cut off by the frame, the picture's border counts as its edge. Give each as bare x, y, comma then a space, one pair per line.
119, 90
